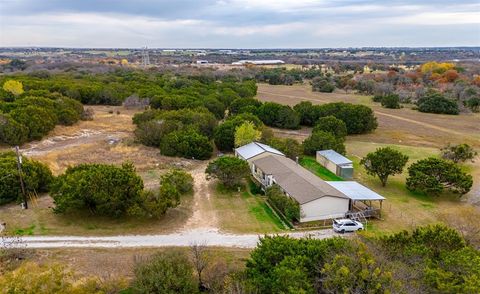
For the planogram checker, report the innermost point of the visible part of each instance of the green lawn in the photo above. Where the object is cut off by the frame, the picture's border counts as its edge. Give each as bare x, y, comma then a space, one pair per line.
244, 213
312, 165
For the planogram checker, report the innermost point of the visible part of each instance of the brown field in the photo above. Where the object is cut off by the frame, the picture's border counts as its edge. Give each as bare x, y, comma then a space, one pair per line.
396, 126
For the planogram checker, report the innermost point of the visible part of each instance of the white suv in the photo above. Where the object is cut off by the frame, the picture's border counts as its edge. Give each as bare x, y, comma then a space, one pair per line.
346, 225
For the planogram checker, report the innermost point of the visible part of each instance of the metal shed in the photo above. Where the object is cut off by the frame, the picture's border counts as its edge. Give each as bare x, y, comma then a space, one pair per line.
336, 163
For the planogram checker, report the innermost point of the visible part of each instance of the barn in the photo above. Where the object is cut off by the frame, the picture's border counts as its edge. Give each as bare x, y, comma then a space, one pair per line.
336, 163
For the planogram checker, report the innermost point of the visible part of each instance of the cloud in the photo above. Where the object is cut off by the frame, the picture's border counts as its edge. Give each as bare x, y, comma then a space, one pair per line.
238, 23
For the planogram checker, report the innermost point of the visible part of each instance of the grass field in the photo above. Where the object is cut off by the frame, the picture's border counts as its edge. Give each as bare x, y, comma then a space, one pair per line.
312, 165
243, 213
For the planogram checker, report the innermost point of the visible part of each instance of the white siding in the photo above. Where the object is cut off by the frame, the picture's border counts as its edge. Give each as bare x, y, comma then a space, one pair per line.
327, 164
323, 208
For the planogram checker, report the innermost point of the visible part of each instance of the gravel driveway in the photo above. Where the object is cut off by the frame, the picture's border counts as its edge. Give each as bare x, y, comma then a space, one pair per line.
209, 237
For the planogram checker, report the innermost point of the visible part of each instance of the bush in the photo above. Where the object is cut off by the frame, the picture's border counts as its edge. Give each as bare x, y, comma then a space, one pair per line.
39, 121
224, 134
12, 132
321, 140
165, 272
306, 112
333, 125
246, 133
322, 84
186, 143
244, 105
391, 101
433, 176
458, 153
181, 180
277, 115
437, 103
37, 177
474, 104
98, 188
288, 206
288, 146
151, 133
229, 170
359, 119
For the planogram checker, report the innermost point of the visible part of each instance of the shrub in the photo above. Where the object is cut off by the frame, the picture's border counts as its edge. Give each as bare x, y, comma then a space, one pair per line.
98, 188
322, 84
432, 176
151, 133
244, 105
288, 146
229, 170
12, 132
458, 153
181, 180
333, 125
165, 272
306, 112
39, 121
474, 104
288, 206
321, 140
37, 177
391, 101
437, 103
359, 119
186, 143
277, 115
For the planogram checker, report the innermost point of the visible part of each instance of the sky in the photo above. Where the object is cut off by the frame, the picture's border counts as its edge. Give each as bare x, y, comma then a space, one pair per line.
239, 23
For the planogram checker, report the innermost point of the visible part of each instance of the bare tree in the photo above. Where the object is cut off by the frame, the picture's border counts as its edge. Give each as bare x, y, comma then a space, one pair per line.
200, 261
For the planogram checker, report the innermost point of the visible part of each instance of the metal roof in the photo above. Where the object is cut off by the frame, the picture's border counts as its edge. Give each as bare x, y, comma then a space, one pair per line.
334, 157
253, 149
298, 182
355, 191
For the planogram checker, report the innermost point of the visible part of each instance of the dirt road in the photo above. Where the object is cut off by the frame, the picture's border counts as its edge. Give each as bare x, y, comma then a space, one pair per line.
209, 237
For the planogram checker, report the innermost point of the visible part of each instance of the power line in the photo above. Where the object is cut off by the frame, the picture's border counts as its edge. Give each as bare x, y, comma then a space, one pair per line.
145, 57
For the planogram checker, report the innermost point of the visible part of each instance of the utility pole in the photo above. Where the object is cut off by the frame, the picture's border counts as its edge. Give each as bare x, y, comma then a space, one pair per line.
19, 167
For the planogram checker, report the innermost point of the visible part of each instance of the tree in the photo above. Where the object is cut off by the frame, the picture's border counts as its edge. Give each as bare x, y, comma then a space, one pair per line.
436, 103
165, 272
433, 176
151, 133
306, 112
359, 119
180, 179
14, 87
333, 125
246, 133
12, 132
474, 104
186, 143
288, 146
458, 153
278, 115
230, 171
321, 140
383, 163
37, 177
38, 120
391, 101
98, 188
322, 84
224, 134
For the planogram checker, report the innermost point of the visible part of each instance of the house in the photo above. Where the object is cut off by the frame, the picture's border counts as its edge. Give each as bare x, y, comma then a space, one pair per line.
336, 163
318, 200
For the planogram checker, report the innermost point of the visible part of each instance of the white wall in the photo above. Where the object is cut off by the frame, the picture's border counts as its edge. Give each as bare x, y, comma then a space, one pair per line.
323, 208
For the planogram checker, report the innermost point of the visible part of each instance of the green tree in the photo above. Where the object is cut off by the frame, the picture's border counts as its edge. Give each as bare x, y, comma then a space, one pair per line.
186, 143
165, 272
151, 133
322, 84
98, 188
180, 179
321, 140
12, 132
383, 163
37, 177
391, 101
224, 134
246, 133
306, 112
474, 104
38, 120
435, 102
332, 125
458, 153
278, 115
229, 170
288, 146
433, 176
288, 206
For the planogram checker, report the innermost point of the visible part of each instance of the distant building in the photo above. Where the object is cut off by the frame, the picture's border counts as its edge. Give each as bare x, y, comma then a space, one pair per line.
201, 62
246, 152
259, 62
336, 163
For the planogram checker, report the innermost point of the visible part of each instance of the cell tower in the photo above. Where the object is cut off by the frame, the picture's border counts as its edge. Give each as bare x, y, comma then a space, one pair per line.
145, 57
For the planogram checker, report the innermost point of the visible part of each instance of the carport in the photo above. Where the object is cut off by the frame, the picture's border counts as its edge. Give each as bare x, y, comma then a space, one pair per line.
362, 199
